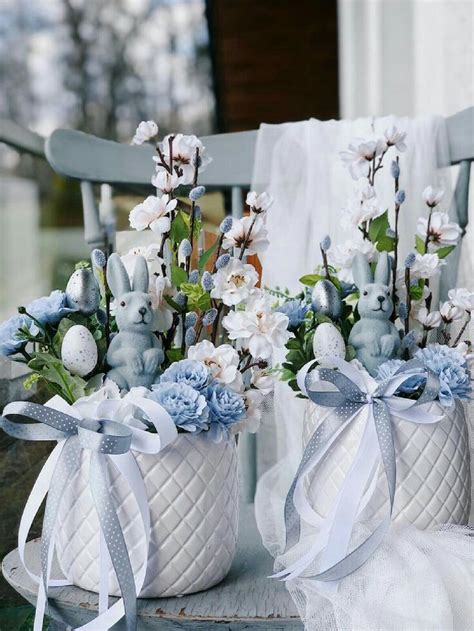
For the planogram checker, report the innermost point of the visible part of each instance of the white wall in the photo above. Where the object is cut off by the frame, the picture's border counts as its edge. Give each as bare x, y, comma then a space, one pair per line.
406, 57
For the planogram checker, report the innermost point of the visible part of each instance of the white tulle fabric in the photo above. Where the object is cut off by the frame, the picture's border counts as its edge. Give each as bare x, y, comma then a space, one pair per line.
417, 580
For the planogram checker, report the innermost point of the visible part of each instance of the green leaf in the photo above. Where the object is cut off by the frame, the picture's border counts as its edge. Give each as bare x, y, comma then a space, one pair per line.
179, 228
178, 275
51, 369
378, 227
174, 355
204, 258
198, 298
386, 244
350, 353
287, 375
311, 279
443, 252
416, 291
419, 245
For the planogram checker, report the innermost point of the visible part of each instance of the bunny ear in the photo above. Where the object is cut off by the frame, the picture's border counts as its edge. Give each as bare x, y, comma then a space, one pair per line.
382, 271
140, 275
361, 270
117, 277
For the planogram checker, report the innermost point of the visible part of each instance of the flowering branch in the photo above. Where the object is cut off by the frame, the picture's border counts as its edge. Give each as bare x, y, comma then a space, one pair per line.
462, 331
395, 253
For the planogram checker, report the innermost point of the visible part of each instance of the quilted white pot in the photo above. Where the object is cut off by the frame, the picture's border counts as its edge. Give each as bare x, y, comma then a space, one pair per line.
433, 473
193, 493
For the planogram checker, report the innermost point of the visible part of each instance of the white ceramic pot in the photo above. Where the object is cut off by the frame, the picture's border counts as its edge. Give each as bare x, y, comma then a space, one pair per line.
433, 473
193, 493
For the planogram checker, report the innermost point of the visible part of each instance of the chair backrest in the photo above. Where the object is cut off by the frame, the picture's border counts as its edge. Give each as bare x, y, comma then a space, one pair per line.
21, 138
93, 161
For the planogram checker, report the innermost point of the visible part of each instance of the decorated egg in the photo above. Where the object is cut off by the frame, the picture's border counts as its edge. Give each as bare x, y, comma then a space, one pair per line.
79, 351
328, 342
82, 292
326, 299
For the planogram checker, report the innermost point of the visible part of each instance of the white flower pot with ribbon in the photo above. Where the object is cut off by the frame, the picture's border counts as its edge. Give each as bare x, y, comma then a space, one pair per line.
433, 481
192, 489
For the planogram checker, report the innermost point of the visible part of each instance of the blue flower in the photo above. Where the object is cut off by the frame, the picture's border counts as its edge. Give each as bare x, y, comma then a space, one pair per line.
390, 367
188, 371
295, 310
49, 309
186, 406
10, 343
450, 367
225, 408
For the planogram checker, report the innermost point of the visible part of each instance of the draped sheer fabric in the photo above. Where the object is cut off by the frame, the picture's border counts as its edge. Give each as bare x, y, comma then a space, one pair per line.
417, 580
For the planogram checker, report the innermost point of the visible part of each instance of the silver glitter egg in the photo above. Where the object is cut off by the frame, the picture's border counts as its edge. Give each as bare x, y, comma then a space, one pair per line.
82, 292
326, 299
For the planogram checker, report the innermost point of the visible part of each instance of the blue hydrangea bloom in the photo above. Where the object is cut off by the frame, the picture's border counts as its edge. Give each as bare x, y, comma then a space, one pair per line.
9, 341
189, 371
390, 367
186, 406
295, 310
49, 309
451, 368
225, 408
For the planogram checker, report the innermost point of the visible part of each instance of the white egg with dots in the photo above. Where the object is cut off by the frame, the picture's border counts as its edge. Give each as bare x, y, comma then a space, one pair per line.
79, 351
328, 342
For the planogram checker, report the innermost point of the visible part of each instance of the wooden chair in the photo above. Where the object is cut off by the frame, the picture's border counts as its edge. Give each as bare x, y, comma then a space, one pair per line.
246, 599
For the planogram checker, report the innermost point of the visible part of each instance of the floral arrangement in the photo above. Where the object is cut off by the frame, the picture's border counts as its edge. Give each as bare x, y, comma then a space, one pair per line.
186, 327
363, 304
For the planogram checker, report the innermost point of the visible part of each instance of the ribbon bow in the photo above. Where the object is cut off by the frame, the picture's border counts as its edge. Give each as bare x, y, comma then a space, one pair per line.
348, 391
104, 440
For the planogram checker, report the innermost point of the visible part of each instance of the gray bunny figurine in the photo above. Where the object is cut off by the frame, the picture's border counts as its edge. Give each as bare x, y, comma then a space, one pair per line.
134, 354
374, 337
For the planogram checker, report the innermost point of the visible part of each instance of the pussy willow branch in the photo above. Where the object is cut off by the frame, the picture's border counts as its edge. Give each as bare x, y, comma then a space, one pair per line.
395, 252
407, 286
193, 210
325, 263
247, 237
463, 329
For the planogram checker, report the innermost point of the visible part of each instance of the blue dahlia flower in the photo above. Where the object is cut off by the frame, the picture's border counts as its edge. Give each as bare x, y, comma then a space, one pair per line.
10, 343
451, 368
225, 408
189, 371
186, 406
49, 309
295, 310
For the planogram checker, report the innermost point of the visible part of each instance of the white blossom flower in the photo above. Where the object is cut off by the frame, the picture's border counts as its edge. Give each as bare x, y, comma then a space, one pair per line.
153, 213
259, 202
150, 253
450, 313
432, 196
222, 361
184, 152
463, 298
342, 255
260, 329
263, 380
165, 181
234, 282
146, 130
236, 236
430, 320
362, 207
426, 266
395, 138
442, 232
253, 413
359, 154
163, 312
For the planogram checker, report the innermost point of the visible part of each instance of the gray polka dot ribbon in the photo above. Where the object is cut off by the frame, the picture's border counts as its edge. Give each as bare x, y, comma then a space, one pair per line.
344, 389
100, 439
